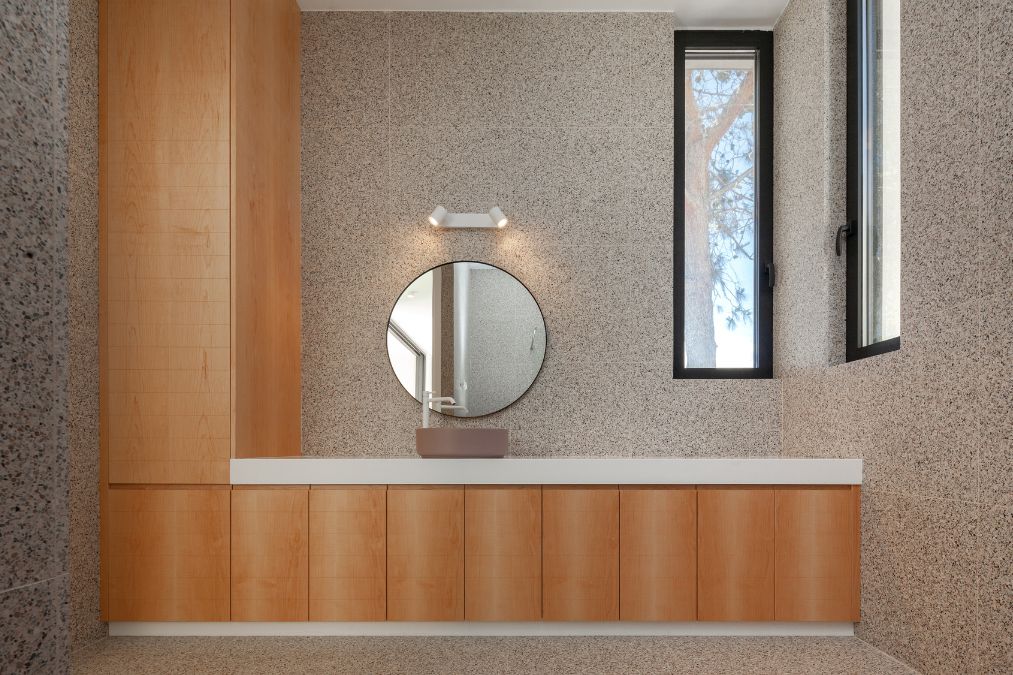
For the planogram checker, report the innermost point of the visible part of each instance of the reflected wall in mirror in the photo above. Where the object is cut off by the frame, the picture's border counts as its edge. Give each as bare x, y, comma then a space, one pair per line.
470, 331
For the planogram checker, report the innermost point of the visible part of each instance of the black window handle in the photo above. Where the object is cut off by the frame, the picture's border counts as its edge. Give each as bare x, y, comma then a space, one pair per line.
771, 274
846, 230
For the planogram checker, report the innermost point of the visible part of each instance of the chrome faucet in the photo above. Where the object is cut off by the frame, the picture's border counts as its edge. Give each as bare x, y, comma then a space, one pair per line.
428, 398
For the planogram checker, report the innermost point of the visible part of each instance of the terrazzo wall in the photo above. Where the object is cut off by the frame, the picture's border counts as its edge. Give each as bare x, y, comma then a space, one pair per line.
33, 332
85, 623
934, 421
564, 121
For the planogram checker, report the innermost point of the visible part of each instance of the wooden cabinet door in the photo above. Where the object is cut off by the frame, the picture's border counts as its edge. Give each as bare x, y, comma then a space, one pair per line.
425, 553
265, 262
657, 554
502, 553
816, 553
168, 555
164, 240
735, 540
580, 553
348, 553
270, 566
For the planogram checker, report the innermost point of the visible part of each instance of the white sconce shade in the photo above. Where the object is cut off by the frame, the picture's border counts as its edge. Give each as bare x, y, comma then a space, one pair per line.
497, 216
437, 216
494, 218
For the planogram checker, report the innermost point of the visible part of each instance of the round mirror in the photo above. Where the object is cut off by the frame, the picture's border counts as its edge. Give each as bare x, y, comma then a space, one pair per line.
469, 332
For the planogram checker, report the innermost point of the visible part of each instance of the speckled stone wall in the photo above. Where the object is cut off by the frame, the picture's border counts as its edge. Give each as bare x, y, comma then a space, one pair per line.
563, 120
810, 116
934, 421
85, 622
33, 335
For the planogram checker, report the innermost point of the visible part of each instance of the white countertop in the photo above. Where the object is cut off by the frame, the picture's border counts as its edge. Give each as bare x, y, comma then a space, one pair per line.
532, 471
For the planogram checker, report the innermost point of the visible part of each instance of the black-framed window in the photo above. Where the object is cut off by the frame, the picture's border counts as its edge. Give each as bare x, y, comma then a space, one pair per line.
723, 249
873, 220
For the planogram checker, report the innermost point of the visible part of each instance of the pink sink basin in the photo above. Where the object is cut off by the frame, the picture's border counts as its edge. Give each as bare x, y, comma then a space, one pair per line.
462, 443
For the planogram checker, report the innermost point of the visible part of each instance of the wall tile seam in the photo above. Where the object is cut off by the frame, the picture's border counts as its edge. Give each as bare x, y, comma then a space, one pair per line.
59, 235
976, 575
77, 647
81, 174
976, 304
22, 587
981, 553
25, 87
628, 37
981, 154
931, 498
887, 654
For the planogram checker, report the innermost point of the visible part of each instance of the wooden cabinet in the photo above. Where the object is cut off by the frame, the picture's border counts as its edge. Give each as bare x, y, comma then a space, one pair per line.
735, 580
482, 553
503, 553
168, 555
580, 553
199, 264
348, 553
270, 554
816, 554
657, 553
425, 553
198, 236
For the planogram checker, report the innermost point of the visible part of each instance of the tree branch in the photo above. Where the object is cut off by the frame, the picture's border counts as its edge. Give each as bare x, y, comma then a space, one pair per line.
730, 184
742, 97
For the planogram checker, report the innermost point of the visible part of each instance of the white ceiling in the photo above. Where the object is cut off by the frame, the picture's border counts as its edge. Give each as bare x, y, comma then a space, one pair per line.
688, 13
728, 13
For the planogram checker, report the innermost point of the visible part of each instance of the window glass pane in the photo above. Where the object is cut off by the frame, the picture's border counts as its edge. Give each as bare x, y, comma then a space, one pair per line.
720, 217
881, 172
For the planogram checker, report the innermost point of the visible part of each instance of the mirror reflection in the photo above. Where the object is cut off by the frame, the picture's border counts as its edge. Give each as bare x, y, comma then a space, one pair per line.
467, 331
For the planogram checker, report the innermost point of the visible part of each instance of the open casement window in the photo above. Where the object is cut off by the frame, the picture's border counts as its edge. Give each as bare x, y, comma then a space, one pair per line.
724, 273
873, 226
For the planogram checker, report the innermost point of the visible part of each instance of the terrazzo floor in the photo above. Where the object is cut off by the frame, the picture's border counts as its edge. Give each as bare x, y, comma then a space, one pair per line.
502, 656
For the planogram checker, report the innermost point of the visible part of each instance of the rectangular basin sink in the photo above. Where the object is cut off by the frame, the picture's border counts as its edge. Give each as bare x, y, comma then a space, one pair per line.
461, 443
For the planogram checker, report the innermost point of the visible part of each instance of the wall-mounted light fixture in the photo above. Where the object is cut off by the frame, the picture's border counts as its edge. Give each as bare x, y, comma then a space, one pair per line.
498, 219
494, 218
437, 217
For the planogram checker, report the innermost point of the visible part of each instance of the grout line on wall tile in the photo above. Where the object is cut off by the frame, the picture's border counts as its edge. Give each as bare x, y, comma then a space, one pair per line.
34, 583
78, 648
921, 497
977, 344
887, 654
389, 20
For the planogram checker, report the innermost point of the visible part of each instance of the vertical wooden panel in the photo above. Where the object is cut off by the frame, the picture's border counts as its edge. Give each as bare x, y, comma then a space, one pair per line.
735, 554
265, 227
814, 554
348, 553
856, 547
168, 554
580, 553
164, 234
270, 554
657, 554
503, 553
425, 553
